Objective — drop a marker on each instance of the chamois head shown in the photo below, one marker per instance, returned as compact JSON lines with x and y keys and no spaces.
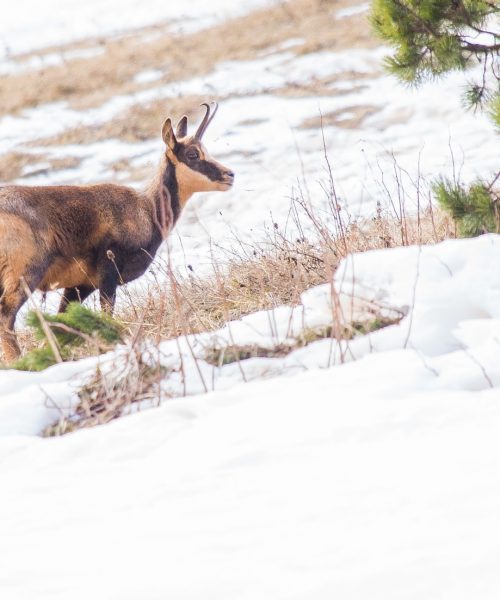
{"x":196,"y":170}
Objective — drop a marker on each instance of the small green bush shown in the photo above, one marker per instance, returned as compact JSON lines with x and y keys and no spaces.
{"x":72,"y":329}
{"x":474,"y":209}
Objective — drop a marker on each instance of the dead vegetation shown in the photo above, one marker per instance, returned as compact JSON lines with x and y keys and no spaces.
{"x":13,"y":164}
{"x":270,"y":274}
{"x":111,"y":393}
{"x":219,"y":356}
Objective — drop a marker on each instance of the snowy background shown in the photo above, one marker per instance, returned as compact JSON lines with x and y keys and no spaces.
{"x":368,"y":470}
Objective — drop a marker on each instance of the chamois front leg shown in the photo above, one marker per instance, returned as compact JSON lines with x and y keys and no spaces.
{"x":109,"y":275}
{"x":107,"y":299}
{"x":74,"y":294}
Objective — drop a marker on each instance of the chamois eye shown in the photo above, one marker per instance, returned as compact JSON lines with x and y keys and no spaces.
{"x":193,"y":155}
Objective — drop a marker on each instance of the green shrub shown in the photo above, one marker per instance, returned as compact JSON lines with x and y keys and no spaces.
{"x":474,"y":209}
{"x":76,"y":327}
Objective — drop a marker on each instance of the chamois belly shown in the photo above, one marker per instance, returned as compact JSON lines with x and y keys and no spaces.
{"x":68,"y":273}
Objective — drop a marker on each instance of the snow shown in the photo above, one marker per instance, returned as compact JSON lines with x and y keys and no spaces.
{"x":148,"y":76}
{"x":352,"y":10}
{"x":365,"y":468}
{"x":373,"y":478}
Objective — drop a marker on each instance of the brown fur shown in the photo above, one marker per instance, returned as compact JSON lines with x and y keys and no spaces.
{"x":84,"y":238}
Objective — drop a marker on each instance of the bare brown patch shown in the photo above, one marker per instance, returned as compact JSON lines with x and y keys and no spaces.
{"x":325,"y":86}
{"x":15,"y":165}
{"x":137,"y":124}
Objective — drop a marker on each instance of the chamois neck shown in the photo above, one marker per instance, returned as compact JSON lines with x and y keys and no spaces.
{"x":165,"y":179}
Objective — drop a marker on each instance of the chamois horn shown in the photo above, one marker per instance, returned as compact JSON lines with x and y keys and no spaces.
{"x":207,"y":119}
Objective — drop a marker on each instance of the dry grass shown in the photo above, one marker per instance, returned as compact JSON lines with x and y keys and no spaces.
{"x":13,"y":164}
{"x":244,"y":285}
{"x":268,"y":276}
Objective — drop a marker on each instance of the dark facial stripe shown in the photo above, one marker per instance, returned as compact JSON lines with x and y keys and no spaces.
{"x":208,"y":169}
{"x":170,"y":182}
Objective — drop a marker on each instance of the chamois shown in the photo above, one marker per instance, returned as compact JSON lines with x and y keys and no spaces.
{"x":96,"y":237}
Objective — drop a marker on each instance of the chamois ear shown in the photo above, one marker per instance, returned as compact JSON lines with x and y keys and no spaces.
{"x":168,"y":135}
{"x":182,"y":127}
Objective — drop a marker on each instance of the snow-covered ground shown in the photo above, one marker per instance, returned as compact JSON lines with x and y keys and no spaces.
{"x":361,"y":469}
{"x":373,"y":478}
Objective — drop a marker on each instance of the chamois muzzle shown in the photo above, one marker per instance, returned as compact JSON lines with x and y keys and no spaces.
{"x":228,"y":178}
{"x":207,"y":119}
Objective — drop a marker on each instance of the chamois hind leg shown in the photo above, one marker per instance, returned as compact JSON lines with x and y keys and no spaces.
{"x":22,"y":265}
{"x":74,"y":294}
{"x":10,"y":303}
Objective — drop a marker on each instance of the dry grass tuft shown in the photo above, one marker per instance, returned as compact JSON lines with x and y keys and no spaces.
{"x":219,"y":356}
{"x":267,"y":279}
{"x":270,"y":275}
{"x":112,"y":392}
{"x":13,"y":164}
